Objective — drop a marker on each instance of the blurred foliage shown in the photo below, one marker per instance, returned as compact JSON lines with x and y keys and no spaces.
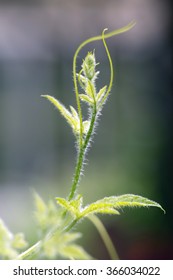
{"x":10,"y":245}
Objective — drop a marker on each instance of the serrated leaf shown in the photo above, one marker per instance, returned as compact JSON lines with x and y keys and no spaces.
{"x":107,"y":205}
{"x":130,"y":200}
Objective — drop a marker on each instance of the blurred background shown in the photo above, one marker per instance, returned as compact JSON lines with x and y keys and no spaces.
{"x":132,"y":151}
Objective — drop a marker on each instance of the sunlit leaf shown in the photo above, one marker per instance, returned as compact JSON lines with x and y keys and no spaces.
{"x":101,"y":93}
{"x":86,"y":99}
{"x":107,"y":205}
{"x":65,"y":113}
{"x":74,"y":113}
{"x":98,"y":208}
{"x":100,"y":96}
{"x":90,"y":90}
{"x":73,"y":206}
{"x":82,"y":80}
{"x":86,"y":125}
{"x":130,"y":200}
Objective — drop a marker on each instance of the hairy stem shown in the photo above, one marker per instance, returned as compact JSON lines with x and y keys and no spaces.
{"x":82,"y":147}
{"x":81,"y":155}
{"x":77,"y":173}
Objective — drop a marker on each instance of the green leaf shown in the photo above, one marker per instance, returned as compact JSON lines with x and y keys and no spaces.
{"x":86,"y":125}
{"x":107,"y":205}
{"x":99,"y":207}
{"x":100,"y":96}
{"x":86,"y":99}
{"x":71,"y":117}
{"x":78,"y":212}
{"x":60,"y":244}
{"x":73,"y":206}
{"x":90,"y":90}
{"x":74,"y":113}
{"x":82,"y":80}
{"x":129,"y":200}
{"x":89,"y":65}
{"x":73,"y":122}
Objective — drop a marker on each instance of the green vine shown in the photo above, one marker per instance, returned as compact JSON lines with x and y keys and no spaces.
{"x":56,"y":221}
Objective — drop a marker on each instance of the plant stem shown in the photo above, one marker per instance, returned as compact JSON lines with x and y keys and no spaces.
{"x":77,"y":173}
{"x":37,"y":246}
{"x":81,"y":155}
{"x":105,"y":236}
{"x":70,"y":226}
{"x":83,"y":147}
{"x":31,"y":251}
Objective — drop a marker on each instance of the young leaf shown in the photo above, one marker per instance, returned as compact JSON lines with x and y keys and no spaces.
{"x":107,"y":205}
{"x":73,"y":122}
{"x":90,"y":90}
{"x":100,"y":96}
{"x":74,"y":113}
{"x":82,"y":80}
{"x":76,"y":210}
{"x":86,"y":99}
{"x":89,"y":65}
{"x":73,"y":206}
{"x":99,"y":207}
{"x":129,"y":200}
{"x":86,"y":125}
